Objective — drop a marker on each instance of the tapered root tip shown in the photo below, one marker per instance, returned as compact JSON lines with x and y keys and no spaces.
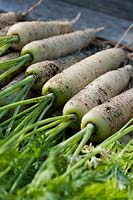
{"x":30,"y":9}
{"x":124,"y":35}
{"x":100,"y":28}
{"x":73,"y":21}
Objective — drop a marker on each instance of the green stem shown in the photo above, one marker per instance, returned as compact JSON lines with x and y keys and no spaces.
{"x":45,"y":109}
{"x":18,"y":97}
{"x":28,"y":101}
{"x":66,"y":146}
{"x":52,"y":136}
{"x":13,"y":88}
{"x":86,"y":137}
{"x":10,"y":141}
{"x":48,"y":126}
{"x":98,"y":148}
{"x":3,"y":173}
{"x":43,"y":122}
{"x":8,"y":63}
{"x":6,"y":42}
{"x":126,"y":125}
{"x":9,"y":39}
{"x":16,"y":67}
{"x":18,"y":138}
{"x":88,"y":132}
{"x":19,"y":115}
{"x":30,"y":119}
{"x":25,"y":121}
{"x":56,"y":120}
{"x":26,"y":167}
{"x":40,"y":111}
{"x":116,"y":136}
{"x":51,"y":140}
{"x":4,"y":48}
{"x":23,"y":93}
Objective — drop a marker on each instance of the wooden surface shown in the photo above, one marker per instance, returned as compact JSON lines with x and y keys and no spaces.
{"x":119,"y":8}
{"x":55,"y":9}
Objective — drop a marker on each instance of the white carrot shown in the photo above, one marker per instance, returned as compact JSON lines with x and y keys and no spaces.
{"x":66,"y":84}
{"x":23,"y":33}
{"x":69,"y":82}
{"x":97,"y":92}
{"x":58,"y":46}
{"x":50,"y":48}
{"x":110,"y":116}
{"x":46,"y":69}
{"x":10,"y":18}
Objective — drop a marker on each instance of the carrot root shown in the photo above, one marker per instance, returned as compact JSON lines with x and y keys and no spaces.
{"x":30,"y":9}
{"x":73,"y":21}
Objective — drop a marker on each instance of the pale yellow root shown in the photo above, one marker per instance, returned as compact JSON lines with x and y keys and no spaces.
{"x":110,"y":116}
{"x":11,"y":18}
{"x":7,"y":19}
{"x":36,"y":30}
{"x":97,"y":92}
{"x":59,"y":46}
{"x":46,"y":69}
{"x":68,"y":83}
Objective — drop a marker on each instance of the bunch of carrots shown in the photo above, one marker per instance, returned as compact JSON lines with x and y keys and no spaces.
{"x":63,"y":103}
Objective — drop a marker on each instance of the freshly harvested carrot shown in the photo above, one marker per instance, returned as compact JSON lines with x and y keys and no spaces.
{"x":11,"y":18}
{"x":110,"y":116}
{"x":23,"y":33}
{"x":104,"y":90}
{"x":69,"y":82}
{"x":41,"y":72}
{"x":97,"y":92}
{"x":60,"y":45}
{"x":44,"y":70}
{"x":65,"y":85}
{"x":38,"y":74}
{"x":50,"y":48}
